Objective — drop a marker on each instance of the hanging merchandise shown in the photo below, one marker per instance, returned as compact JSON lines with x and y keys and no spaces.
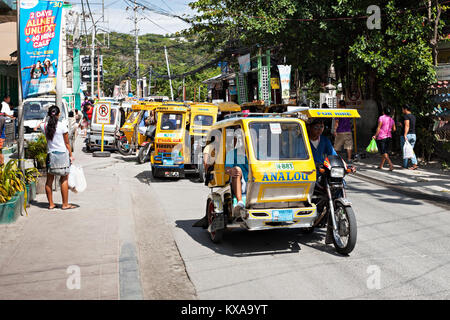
{"x":40,"y":38}
{"x":285,"y":78}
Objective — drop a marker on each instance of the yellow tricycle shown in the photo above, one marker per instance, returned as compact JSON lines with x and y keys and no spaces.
{"x":200,"y":119}
{"x":169,"y":150}
{"x":263,"y":176}
{"x":136,"y":131}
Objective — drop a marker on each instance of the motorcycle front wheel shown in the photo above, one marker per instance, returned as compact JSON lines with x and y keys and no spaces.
{"x":124,"y":147}
{"x":144,"y":153}
{"x":344,"y":239}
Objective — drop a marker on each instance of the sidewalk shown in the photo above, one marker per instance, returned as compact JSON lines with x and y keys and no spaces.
{"x":117,"y":241}
{"x":428,"y":181}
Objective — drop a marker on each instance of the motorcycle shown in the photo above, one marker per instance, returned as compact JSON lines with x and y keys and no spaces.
{"x":146,"y":147}
{"x":335,"y":211}
{"x":123,"y":146}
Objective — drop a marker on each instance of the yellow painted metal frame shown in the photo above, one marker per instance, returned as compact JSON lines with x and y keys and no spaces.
{"x":175,"y":137}
{"x":258,"y":168}
{"x":331,"y":113}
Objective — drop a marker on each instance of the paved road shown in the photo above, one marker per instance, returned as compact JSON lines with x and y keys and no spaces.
{"x":133,"y":238}
{"x":402,"y":252}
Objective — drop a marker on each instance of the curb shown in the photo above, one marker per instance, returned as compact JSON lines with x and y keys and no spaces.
{"x":408,"y":191}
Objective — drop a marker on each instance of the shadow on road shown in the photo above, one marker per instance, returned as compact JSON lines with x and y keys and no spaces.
{"x":244,"y":243}
{"x":147,"y":178}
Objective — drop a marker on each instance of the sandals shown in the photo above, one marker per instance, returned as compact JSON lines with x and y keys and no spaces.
{"x":71,"y":206}
{"x":414,"y":167}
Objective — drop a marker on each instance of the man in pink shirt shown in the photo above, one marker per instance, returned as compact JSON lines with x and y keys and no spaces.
{"x":384,"y":136}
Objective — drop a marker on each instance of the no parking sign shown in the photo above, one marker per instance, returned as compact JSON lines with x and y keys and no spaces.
{"x":104,"y":113}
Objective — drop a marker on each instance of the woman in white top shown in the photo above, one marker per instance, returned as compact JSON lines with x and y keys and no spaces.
{"x":58,"y":144}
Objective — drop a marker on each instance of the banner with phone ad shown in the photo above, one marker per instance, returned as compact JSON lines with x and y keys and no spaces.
{"x":285,"y":78}
{"x":40,"y":35}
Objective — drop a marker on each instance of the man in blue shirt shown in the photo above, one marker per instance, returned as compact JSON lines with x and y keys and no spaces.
{"x":321,"y":146}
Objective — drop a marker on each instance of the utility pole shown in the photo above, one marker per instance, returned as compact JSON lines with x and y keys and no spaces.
{"x":20,"y":143}
{"x":150,"y":81}
{"x":136,"y":50}
{"x":93,"y":62}
{"x":168,"y":71}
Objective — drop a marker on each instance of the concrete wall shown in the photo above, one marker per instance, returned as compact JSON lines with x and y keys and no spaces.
{"x":366,"y":125}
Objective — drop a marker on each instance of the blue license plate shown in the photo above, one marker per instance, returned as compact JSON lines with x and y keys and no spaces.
{"x":168,"y":162}
{"x":283,"y":215}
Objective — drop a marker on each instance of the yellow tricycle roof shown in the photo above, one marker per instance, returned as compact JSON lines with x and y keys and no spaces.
{"x":330,"y":113}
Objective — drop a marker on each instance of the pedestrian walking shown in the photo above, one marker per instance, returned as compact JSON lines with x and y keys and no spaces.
{"x":59,"y":157}
{"x":409,"y":134}
{"x":343,"y":134}
{"x":383,"y":136}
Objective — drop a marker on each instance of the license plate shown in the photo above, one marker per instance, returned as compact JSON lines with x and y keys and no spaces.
{"x":168,"y":162}
{"x":172,"y":174}
{"x":283,"y":215}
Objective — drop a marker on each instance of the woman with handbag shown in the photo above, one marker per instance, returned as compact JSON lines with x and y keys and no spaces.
{"x":59,"y":157}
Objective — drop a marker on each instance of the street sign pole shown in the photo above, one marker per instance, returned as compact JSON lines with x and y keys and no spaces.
{"x":103,"y":135}
{"x":103,"y":116}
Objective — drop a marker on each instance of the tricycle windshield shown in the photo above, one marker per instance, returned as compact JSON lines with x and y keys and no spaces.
{"x":203,"y":120}
{"x":274,"y":141}
{"x":171,"y":121}
{"x":132,"y":117}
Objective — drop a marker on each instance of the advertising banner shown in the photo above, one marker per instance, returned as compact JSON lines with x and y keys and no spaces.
{"x":40,"y":37}
{"x":244,"y":63}
{"x":285,"y":78}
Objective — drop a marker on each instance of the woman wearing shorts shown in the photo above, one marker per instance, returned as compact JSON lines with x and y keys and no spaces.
{"x":59,"y":157}
{"x":384,"y":137}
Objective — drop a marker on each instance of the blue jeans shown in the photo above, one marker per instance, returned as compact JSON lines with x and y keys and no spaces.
{"x":412,"y":140}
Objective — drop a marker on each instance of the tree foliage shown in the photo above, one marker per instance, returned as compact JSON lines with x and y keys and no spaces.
{"x":185,"y":54}
{"x":312,"y":34}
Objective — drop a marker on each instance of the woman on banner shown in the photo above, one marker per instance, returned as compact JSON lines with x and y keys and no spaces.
{"x":50,"y":68}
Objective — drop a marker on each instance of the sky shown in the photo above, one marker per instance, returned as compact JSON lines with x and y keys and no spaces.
{"x":150,"y":22}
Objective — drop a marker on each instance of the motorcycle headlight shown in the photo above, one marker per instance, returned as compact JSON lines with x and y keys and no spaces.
{"x":337,"y":172}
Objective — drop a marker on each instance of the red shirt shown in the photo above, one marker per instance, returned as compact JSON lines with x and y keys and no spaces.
{"x":89,"y":113}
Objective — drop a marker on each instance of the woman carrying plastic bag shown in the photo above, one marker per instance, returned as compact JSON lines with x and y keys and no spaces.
{"x":372,"y":147}
{"x":77,"y":181}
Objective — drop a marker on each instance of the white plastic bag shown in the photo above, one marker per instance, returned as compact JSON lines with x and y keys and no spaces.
{"x":77,"y":181}
{"x":408,"y":151}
